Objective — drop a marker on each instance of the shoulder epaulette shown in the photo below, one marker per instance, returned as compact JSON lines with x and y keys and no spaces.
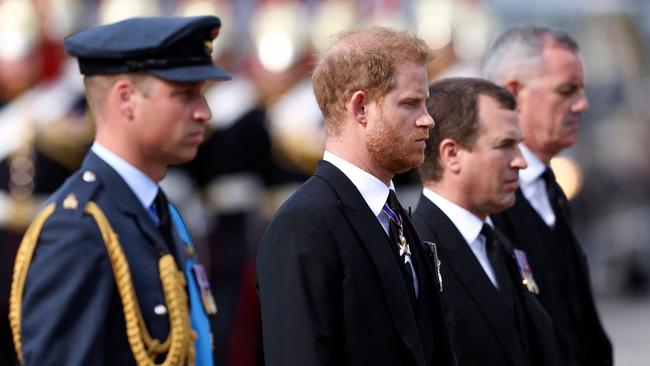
{"x":79,"y":192}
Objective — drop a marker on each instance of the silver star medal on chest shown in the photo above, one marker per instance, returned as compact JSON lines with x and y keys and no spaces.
{"x":404,"y":248}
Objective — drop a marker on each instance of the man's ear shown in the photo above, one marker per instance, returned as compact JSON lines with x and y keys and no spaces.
{"x":358,"y":106}
{"x":449,"y":151}
{"x":123,"y":95}
{"x":513,"y":86}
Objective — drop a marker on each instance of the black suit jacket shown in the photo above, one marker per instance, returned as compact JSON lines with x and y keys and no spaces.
{"x":563,"y":280}
{"x":331,"y":290}
{"x":482,"y":325}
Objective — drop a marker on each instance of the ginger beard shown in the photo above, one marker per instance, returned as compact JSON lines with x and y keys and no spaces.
{"x":392,"y":149}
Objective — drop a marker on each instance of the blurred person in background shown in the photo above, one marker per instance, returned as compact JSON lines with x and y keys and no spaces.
{"x":544,"y":70}
{"x":20,"y":68}
{"x":239,"y":172}
{"x":470,"y":171}
{"x":342,"y":276}
{"x":44,"y":132}
{"x":106,"y":273}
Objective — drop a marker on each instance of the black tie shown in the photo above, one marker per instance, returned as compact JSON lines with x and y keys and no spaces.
{"x":165,"y":222}
{"x":565,"y":249}
{"x":497,"y":257}
{"x":556,"y":196}
{"x":394,"y":232}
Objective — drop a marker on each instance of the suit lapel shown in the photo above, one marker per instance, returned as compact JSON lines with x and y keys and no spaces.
{"x":123,"y":197}
{"x":532,"y":230}
{"x":460,"y":260}
{"x":373,"y":237}
{"x":541,"y":327}
{"x":424,"y":269}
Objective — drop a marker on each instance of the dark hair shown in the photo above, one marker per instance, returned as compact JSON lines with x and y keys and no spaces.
{"x":453,"y":104}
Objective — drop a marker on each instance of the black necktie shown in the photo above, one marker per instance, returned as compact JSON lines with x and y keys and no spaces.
{"x":556,"y":196}
{"x":497,"y":257}
{"x":165,"y":222}
{"x":396,"y":229}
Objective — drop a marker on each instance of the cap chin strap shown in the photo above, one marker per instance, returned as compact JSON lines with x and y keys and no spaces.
{"x":179,"y":346}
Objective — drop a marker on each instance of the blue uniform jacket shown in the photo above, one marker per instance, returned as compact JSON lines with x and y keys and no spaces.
{"x":71,"y":310}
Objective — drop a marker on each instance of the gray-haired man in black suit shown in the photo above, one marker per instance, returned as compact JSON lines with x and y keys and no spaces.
{"x":543,"y":69}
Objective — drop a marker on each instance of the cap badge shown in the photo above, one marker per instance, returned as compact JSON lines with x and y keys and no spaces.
{"x":207,"y":48}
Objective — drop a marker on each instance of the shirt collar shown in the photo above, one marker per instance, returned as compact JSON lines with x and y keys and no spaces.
{"x":535,"y":169}
{"x":468,"y":224}
{"x":373,"y":191}
{"x":143,"y":186}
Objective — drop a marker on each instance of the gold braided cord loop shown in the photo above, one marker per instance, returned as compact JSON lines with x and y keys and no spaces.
{"x":21,"y":266}
{"x":179,"y":347}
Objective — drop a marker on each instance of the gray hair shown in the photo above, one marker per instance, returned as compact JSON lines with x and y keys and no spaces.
{"x":518,"y":52}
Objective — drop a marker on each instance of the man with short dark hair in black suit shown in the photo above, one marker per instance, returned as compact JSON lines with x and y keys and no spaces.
{"x":470,"y":171}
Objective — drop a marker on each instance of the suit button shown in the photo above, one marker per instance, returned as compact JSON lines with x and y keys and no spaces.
{"x":89,"y":176}
{"x":160,"y":309}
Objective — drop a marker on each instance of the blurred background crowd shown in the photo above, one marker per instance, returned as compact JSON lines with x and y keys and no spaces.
{"x":266,"y":132}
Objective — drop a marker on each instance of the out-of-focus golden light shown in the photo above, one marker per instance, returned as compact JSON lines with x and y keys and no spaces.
{"x":387,"y":19}
{"x":331,"y":17}
{"x":568,"y":175}
{"x":18,"y":29}
{"x":434,"y":20}
{"x":466,"y":24}
{"x":112,"y":11}
{"x":471,"y":29}
{"x":297,"y":126}
{"x":435,"y":31}
{"x":279,"y":34}
{"x":61,"y":17}
{"x":275,"y":51}
{"x":197,"y":7}
{"x":440,"y":8}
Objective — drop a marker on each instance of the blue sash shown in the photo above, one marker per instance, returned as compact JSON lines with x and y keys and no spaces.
{"x":200,"y":321}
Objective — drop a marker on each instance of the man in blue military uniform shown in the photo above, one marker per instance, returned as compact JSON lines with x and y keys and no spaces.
{"x":106,"y":274}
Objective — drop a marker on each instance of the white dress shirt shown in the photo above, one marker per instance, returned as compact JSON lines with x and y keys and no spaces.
{"x":144,"y":187}
{"x":469,"y":226}
{"x":373,"y":191}
{"x":533,"y":186}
